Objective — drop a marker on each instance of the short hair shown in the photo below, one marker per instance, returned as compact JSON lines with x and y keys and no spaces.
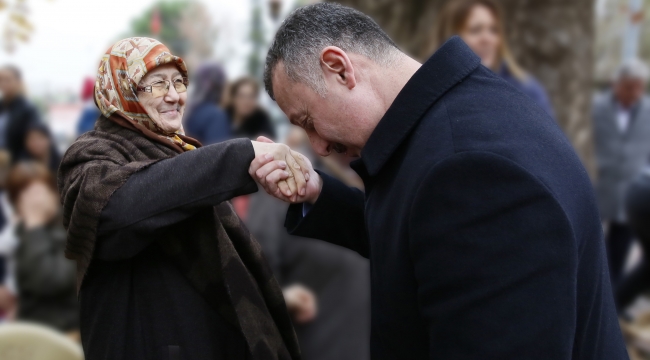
{"x":14,"y":70}
{"x":632,"y":69}
{"x":309,"y":29}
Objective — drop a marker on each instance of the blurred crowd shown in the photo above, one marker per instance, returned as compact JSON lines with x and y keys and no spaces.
{"x":326,"y":287}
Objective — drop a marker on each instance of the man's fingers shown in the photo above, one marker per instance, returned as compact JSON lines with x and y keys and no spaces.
{"x":258,"y":162}
{"x":284,"y":189}
{"x":274,"y":178}
{"x":268,"y":168}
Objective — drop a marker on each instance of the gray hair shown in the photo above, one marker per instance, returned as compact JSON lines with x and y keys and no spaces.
{"x":632,"y":69}
{"x":310,"y":29}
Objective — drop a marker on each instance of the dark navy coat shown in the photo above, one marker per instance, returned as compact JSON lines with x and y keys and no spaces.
{"x":480,"y":224}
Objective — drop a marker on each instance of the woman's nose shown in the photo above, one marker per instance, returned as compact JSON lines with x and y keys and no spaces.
{"x":172,"y":96}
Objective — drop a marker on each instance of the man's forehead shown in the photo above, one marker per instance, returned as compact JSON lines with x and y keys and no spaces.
{"x":287,"y":94}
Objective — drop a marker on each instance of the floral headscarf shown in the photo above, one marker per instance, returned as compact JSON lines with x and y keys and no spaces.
{"x":120,"y":71}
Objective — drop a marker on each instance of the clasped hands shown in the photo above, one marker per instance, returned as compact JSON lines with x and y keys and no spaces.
{"x":284,"y":173}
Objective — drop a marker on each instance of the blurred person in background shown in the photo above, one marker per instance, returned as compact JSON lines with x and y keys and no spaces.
{"x":338,"y":278}
{"x":8,"y":244}
{"x":45,"y":278}
{"x":480,"y":24}
{"x":637,"y":208}
{"x":248,"y":119}
{"x":205,"y":120}
{"x":16,"y":113}
{"x":89,"y":114}
{"x":165,"y":267}
{"x":40,"y":147}
{"x":621,"y":121}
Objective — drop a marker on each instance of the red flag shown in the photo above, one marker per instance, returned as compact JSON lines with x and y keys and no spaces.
{"x":155,"y":22}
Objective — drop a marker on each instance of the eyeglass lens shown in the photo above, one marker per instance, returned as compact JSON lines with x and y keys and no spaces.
{"x":162,"y":88}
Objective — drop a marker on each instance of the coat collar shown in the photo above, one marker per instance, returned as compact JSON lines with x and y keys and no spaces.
{"x":447,"y":67}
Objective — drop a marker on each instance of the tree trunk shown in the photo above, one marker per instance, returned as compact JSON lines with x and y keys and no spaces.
{"x":551,"y":39}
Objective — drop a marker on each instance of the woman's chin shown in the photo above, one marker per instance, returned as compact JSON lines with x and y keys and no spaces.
{"x":170,"y":124}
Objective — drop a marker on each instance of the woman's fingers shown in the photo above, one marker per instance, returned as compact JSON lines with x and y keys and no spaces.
{"x":304,"y":163}
{"x":298,"y":175}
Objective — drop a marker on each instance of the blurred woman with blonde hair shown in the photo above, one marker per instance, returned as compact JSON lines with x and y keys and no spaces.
{"x":480,"y":24}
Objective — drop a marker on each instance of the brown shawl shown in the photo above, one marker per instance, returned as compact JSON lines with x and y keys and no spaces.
{"x":224,"y":263}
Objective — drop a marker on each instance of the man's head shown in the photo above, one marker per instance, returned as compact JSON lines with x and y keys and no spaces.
{"x":630,"y":82}
{"x":10,"y":82}
{"x":327,"y":69}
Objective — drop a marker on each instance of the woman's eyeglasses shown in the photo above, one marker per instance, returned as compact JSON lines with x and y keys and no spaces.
{"x":161,"y":88}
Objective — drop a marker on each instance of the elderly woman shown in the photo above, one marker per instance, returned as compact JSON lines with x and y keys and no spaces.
{"x":165,"y":268}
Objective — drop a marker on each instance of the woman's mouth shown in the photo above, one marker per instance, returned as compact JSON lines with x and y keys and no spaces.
{"x":172,"y":112}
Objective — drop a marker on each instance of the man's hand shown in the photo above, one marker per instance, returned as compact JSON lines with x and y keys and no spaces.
{"x":275,"y":174}
{"x":301,"y":303}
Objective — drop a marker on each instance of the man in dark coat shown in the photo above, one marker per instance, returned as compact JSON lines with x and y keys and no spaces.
{"x":478,"y":218}
{"x":17,"y":115}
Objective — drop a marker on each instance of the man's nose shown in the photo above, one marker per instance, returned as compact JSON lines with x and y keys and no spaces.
{"x":320,"y":146}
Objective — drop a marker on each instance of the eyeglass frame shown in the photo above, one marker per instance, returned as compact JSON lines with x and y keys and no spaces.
{"x":149,"y":88}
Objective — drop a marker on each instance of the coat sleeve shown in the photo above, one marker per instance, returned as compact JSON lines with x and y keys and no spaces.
{"x":336,"y":217}
{"x":170,"y":191}
{"x":496,"y":270}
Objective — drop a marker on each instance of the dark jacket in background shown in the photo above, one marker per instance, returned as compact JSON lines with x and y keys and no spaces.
{"x":208,"y":124}
{"x":22,"y":115}
{"x":257,"y":124}
{"x":637,"y":204}
{"x":87,"y":119}
{"x":339,"y":278}
{"x":480,"y":223}
{"x":46,"y":280}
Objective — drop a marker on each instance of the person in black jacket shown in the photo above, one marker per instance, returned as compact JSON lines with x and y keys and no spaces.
{"x":637,"y":206}
{"x":478,"y":218}
{"x":16,"y":113}
{"x":246,"y":116}
{"x":46,"y":280}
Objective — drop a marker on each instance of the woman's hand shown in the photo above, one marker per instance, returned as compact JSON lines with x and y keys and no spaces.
{"x":301,"y":303}
{"x":271,"y":174}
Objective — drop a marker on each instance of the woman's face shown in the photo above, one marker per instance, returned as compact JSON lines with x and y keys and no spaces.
{"x":245,"y":100}
{"x":37,"y":144}
{"x":166,"y":111}
{"x":481,"y":33}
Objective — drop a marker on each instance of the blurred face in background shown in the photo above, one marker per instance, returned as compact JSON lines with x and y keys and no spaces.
{"x":10,"y":85}
{"x":629,"y":90}
{"x":244,"y":100}
{"x":482,"y":34}
{"x":166,"y":111}
{"x":37,"y":144}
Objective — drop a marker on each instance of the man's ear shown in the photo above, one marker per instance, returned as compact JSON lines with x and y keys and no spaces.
{"x":335,"y":62}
